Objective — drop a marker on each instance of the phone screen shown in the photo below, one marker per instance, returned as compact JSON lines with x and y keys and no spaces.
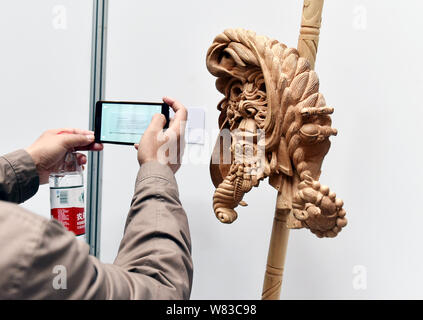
{"x":125,"y":123}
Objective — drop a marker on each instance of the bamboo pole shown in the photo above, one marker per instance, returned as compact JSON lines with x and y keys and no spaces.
{"x":307,"y":47}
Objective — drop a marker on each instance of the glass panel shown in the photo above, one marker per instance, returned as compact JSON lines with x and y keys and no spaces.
{"x":45,"y":73}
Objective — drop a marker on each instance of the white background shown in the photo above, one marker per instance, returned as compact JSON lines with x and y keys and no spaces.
{"x":45,"y":57}
{"x":369,"y":64}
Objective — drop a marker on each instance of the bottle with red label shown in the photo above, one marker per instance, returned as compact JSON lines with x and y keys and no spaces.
{"x":67,"y":196}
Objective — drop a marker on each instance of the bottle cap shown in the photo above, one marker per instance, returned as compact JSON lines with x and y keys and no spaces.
{"x":70,"y":163}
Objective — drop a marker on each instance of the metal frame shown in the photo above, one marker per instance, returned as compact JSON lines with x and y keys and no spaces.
{"x":95,"y":159}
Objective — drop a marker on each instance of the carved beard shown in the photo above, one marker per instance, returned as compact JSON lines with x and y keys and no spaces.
{"x":245,"y":105}
{"x":230,"y":192}
{"x":246,"y":171}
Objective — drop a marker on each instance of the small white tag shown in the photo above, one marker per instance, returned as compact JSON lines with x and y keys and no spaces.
{"x":194,"y":133}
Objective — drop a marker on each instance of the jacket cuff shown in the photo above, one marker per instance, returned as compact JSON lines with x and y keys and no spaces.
{"x":154,"y":169}
{"x":22,"y":175}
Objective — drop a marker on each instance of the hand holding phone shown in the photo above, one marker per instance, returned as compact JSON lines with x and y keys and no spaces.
{"x":151,"y":144}
{"x":123,"y":122}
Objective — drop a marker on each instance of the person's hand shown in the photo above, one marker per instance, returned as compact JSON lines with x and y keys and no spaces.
{"x":165,"y":146}
{"x":49,"y":151}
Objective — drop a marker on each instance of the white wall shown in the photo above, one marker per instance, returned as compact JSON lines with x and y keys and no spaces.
{"x":45,"y":61}
{"x":369,"y":70}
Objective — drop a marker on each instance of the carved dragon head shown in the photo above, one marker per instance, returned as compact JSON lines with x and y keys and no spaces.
{"x":280,"y":128}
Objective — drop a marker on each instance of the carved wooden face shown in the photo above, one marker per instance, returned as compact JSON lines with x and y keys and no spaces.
{"x":269,"y":88}
{"x":246,"y":101}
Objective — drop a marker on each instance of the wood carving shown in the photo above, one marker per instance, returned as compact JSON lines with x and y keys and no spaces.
{"x":310,"y":30}
{"x":280,"y":127}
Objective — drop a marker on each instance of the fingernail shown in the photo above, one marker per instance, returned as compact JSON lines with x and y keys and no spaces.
{"x":90,"y":137}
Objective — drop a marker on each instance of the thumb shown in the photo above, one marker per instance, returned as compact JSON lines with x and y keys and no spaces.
{"x":157,"y":122}
{"x":71,"y":141}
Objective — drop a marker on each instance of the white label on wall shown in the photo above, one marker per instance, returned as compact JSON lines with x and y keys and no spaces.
{"x":194,"y":133}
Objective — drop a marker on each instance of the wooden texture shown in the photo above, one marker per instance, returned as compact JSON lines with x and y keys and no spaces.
{"x":276,"y":257}
{"x":279,"y":127}
{"x":278,"y":245}
{"x":308,"y":40}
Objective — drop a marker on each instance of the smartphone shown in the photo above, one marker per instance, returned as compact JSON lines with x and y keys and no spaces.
{"x":123,"y":122}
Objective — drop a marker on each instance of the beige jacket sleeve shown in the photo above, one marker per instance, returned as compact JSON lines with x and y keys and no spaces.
{"x":40,"y":259}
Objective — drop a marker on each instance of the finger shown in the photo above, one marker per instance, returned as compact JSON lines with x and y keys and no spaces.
{"x":180,"y":110}
{"x":178,"y":123}
{"x":157,"y":122}
{"x":156,"y":125}
{"x":171,"y":121}
{"x":72,"y":141}
{"x":81,"y":158}
{"x":91,"y":147}
{"x":73,"y":131}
